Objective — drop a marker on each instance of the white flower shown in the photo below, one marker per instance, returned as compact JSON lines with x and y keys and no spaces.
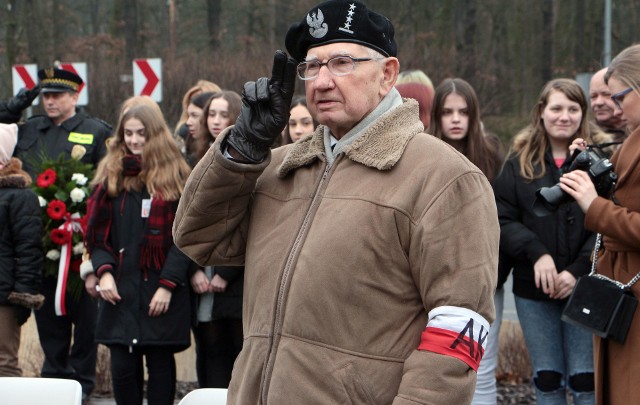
{"x":77,"y":195}
{"x":42,"y":201}
{"x":79,"y":178}
{"x":78,"y":249}
{"x":53,"y":254}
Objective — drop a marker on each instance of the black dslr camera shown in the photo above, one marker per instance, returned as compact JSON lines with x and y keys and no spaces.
{"x":600,"y":170}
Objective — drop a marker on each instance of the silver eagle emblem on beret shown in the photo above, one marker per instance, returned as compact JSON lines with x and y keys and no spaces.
{"x":317,"y":27}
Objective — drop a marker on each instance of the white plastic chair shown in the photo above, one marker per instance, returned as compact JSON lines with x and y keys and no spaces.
{"x":205,"y":396}
{"x":37,"y":391}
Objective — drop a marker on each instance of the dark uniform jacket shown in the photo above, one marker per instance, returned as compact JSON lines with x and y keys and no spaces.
{"x":40,"y":135}
{"x":20,"y":243}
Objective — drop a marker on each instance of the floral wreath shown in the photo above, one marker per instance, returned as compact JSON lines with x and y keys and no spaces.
{"x":62,"y":188}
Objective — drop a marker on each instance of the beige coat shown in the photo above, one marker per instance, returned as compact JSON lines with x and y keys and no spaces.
{"x":343,"y":263}
{"x":618,"y":365}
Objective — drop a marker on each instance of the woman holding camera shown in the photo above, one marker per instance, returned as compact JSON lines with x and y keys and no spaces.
{"x":549,"y":253}
{"x":618,"y":220}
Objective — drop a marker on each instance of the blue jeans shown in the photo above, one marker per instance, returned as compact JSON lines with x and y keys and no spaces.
{"x":561,"y":354}
{"x":485,"y":393}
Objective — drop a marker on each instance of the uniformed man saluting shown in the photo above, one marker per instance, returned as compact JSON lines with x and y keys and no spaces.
{"x":62,"y":127}
{"x":52,"y":135}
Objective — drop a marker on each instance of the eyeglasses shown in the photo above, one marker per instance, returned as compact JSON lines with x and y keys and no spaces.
{"x":338,"y":66}
{"x":619,"y":97}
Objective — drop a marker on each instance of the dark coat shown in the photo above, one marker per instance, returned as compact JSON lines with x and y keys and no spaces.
{"x":40,"y":135}
{"x":228,"y":305}
{"x":525,"y":237}
{"x":21,"y":252}
{"x":128,"y":322}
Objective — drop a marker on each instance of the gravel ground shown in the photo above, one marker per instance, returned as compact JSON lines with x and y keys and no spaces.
{"x":516,"y":394}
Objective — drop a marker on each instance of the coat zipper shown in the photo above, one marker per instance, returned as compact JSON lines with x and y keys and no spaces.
{"x":266,"y":379}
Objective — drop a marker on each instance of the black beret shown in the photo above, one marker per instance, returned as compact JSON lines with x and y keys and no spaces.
{"x":54,"y":80}
{"x":341,"y":21}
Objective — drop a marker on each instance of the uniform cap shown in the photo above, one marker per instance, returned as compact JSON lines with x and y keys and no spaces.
{"x":54,"y":80}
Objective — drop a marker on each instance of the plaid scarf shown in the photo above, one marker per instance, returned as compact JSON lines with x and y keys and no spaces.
{"x":157,"y":237}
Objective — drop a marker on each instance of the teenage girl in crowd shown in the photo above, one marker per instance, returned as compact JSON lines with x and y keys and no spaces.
{"x":455,"y":118}
{"x":300,"y":121}
{"x":218,"y":328}
{"x":618,"y":220}
{"x":549,"y":253}
{"x":219,"y":112}
{"x":86,"y":269}
{"x":195,"y":112}
{"x":145,"y":306}
{"x":202,"y":86}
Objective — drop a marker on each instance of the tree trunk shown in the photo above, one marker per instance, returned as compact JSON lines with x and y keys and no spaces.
{"x":547,"y":40}
{"x":11,"y":32}
{"x":131,"y":28}
{"x":214,"y":9}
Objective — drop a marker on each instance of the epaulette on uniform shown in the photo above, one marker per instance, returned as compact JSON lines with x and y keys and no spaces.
{"x":105,"y":123}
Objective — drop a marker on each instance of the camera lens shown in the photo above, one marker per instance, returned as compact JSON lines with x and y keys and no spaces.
{"x":548,"y":199}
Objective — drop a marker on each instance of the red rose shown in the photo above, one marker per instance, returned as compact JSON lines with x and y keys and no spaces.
{"x":60,"y":236}
{"x":46,"y":178}
{"x":56,"y":210}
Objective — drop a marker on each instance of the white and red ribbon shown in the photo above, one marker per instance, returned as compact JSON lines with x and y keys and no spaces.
{"x":71,"y":225}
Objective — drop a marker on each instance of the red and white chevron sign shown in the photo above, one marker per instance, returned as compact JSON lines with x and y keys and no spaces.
{"x":147,"y":78}
{"x":24,"y":76}
{"x":79,"y":68}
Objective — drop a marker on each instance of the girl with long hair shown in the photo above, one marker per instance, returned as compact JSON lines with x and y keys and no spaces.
{"x":550,"y":252}
{"x":301,"y":122}
{"x":455,"y":118}
{"x":218,"y":304}
{"x":219,"y":112}
{"x":145,"y":306}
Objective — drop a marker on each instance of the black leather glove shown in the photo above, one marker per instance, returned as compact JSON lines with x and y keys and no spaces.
{"x":265,"y":110}
{"x":23,"y":99}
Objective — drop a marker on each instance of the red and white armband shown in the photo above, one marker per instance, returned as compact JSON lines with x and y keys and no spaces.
{"x":456,"y":332}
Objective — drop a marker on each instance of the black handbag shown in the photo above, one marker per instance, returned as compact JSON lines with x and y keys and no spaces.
{"x":601,"y":305}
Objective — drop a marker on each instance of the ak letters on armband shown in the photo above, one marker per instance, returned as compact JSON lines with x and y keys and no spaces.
{"x":456,"y":332}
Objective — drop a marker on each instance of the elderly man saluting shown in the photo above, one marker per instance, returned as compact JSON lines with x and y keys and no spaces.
{"x":370,"y":247}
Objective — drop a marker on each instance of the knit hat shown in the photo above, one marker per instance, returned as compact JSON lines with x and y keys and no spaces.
{"x":341,"y":21}
{"x":8,"y":140}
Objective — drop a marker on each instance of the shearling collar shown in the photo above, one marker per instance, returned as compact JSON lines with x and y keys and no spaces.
{"x":12,"y":175}
{"x":379,"y":147}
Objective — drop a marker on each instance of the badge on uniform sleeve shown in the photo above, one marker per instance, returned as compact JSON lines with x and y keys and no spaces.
{"x":76,"y":137}
{"x":146,"y":207}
